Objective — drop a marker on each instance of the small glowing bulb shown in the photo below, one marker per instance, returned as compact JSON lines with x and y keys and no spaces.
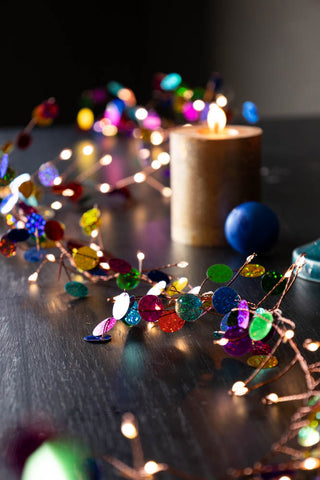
{"x":144,"y":153}
{"x":104,"y":188}
{"x":68,"y":192}
{"x":311,"y":345}
{"x":56,"y":205}
{"x":289,"y":334}
{"x":182,"y":264}
{"x":66,"y":154}
{"x":221,"y":342}
{"x":94,"y":247}
{"x":151,"y":467}
{"x":221,"y":100}
{"x":99,"y":253}
{"x":85,"y":118}
{"x":127,"y":96}
{"x":128,"y":428}
{"x":285,"y":477}
{"x":87,"y":150}
{"x":187,"y":94}
{"x":156,"y":138}
{"x":105,"y":160}
{"x":164,"y":158}
{"x":310,"y":463}
{"x":198,"y":105}
{"x":300,"y":261}
{"x":272,"y":398}
{"x":288,"y":274}
{"x":50,"y":257}
{"x":105,"y":265}
{"x":20,"y":224}
{"x":140,"y":256}
{"x":156,"y":164}
{"x":94,"y":233}
{"x":57,"y":181}
{"x":166,"y":192}
{"x":239,"y":389}
{"x":141,"y":113}
{"x":33,"y":277}
{"x":110,"y":130}
{"x":139,"y":177}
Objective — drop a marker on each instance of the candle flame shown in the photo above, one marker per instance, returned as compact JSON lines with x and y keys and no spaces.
{"x":216,"y":118}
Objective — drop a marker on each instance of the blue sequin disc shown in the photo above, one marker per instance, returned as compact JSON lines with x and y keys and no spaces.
{"x":47,"y":174}
{"x":158,"y":276}
{"x":4,"y":162}
{"x":34,"y":255}
{"x":98,"y":339}
{"x":250,"y":112}
{"x":132,"y":317}
{"x":224,"y":323}
{"x":225,"y":299}
{"x":18,"y":235}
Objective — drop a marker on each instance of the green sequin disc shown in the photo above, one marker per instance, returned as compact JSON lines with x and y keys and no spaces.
{"x":256,"y":360}
{"x":270,"y":280}
{"x":8,"y":177}
{"x":252,"y":270}
{"x":219,"y":273}
{"x":189,"y":307}
{"x":128,"y":281}
{"x":261,"y":324}
{"x":76,"y":289}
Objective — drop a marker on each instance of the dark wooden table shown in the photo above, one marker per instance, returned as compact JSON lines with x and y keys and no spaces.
{"x":176,"y":384}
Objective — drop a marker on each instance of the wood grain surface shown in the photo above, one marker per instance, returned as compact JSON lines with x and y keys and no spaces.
{"x":176,"y":384}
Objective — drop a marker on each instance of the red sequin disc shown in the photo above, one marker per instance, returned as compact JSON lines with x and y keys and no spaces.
{"x":169,"y":322}
{"x":119,"y":265}
{"x":7,"y":248}
{"x":53,"y":230}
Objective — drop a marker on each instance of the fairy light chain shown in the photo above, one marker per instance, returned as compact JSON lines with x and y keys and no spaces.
{"x":71,"y":262}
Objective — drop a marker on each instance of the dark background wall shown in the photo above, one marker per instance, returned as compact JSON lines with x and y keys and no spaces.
{"x":50,"y":48}
{"x":269,"y":52}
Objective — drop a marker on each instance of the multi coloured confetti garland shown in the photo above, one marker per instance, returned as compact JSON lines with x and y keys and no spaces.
{"x":114,"y":109}
{"x":243,"y":327}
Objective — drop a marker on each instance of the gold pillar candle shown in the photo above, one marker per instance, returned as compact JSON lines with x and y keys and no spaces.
{"x":211,"y":172}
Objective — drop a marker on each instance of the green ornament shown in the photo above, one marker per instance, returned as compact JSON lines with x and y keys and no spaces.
{"x":219,"y":273}
{"x":261,"y":324}
{"x":128,"y":281}
{"x":63,"y":460}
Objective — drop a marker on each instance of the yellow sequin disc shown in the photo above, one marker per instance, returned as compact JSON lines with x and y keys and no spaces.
{"x":90,"y":220}
{"x":177,"y":286}
{"x":85,"y":258}
{"x":252,"y":270}
{"x":256,"y":360}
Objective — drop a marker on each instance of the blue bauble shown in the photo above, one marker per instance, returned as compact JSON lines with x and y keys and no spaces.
{"x":252,"y":227}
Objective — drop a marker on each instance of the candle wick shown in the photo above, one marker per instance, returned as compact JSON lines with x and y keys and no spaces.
{"x":216,"y":127}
